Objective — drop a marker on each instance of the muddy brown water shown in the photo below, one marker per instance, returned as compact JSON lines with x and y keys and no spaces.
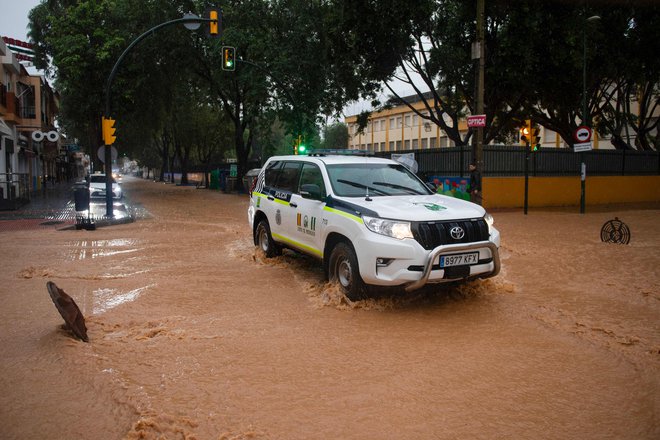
{"x":193,"y":335}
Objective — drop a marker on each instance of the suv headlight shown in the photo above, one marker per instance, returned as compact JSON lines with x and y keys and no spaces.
{"x":489,"y":221}
{"x":391,"y":228}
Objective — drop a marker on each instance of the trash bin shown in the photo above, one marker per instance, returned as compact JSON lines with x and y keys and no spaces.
{"x":215,"y":180}
{"x":231,"y":184}
{"x":81,"y":196}
{"x":249,"y":178}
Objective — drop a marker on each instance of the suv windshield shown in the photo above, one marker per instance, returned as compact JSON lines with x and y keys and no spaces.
{"x":381,"y":179}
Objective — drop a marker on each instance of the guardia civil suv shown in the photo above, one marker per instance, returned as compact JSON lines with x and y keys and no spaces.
{"x":370,"y":221}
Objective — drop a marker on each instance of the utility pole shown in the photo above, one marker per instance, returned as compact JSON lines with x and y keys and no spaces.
{"x":478,"y":153}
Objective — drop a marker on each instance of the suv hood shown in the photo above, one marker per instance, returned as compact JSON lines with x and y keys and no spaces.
{"x":420,"y":208}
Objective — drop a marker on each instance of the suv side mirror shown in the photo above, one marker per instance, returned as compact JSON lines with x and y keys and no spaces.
{"x":310,"y":191}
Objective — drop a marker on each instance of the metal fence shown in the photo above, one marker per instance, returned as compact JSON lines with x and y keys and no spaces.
{"x":501,"y":160}
{"x":14,"y":190}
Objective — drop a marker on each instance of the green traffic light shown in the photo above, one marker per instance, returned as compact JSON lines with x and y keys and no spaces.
{"x":302,"y":149}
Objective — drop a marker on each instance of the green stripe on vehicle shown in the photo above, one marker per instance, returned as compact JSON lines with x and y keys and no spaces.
{"x":344,"y":213}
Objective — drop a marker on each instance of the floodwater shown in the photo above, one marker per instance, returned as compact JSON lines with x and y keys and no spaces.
{"x":193,"y":335}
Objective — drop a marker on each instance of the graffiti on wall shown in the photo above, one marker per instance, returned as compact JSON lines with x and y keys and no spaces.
{"x":452,"y":186}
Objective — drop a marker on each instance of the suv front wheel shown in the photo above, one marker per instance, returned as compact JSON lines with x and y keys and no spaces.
{"x":344,"y":271}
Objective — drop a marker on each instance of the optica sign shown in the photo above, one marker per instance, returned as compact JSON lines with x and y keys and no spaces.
{"x":476,"y":121}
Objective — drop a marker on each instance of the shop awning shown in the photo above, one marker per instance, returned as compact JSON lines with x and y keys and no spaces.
{"x":4,"y":129}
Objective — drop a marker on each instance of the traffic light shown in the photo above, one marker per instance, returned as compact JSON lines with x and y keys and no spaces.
{"x":228,"y":58}
{"x":296,"y":145}
{"x":215,"y":25}
{"x":535,"y":138}
{"x":302,"y":149}
{"x":108,"y":130}
{"x":526,"y":132}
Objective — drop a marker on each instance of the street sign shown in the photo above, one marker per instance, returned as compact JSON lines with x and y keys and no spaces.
{"x":101,"y":153}
{"x":476,"y":121}
{"x":582,"y":146}
{"x":582,"y":134}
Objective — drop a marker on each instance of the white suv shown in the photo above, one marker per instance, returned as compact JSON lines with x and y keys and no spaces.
{"x":97,"y":187}
{"x":371,"y":222}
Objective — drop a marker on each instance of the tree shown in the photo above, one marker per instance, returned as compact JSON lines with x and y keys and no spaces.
{"x":335,"y":136}
{"x":83,"y":40}
{"x":534,"y":59}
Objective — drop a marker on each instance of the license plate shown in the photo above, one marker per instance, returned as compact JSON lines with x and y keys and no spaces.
{"x":459,"y":259}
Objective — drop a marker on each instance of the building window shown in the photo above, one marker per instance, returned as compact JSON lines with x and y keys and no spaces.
{"x":399,"y":122}
{"x":392,"y":123}
{"x":415,"y":121}
{"x":398,"y":145}
{"x":548,"y":135}
{"x":391,"y":145}
{"x":407,"y":144}
{"x":443,"y":141}
{"x":433,"y":142}
{"x":382,"y":146}
{"x":408,"y":121}
{"x":425,"y":143}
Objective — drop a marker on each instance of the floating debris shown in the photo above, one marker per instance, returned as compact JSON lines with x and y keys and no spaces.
{"x":73,"y":317}
{"x":615,"y":231}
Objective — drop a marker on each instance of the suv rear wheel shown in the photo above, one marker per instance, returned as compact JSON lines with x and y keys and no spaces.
{"x":344,"y":271}
{"x":265,"y":240}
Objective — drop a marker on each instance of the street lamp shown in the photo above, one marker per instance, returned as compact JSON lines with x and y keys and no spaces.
{"x":584,"y":68}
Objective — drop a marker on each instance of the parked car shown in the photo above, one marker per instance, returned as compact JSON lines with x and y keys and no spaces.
{"x":97,"y":187}
{"x":370,"y":221}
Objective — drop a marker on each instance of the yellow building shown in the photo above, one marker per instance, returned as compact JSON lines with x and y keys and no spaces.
{"x":399,"y":129}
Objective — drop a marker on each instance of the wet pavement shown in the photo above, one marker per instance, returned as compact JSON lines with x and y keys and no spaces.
{"x":193,"y":333}
{"x":54,"y":206}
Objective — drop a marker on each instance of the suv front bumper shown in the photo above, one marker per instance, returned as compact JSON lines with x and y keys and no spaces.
{"x":390,"y":262}
{"x":452,"y":249}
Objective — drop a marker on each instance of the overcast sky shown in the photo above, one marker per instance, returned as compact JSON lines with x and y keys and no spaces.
{"x":14,"y":18}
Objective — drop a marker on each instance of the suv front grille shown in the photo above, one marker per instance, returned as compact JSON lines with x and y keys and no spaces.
{"x":433,"y":234}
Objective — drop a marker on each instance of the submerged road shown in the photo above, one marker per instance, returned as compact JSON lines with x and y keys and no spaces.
{"x":193,"y":334}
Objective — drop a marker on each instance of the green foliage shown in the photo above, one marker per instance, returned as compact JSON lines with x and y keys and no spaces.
{"x":534,"y":63}
{"x":335,"y":136}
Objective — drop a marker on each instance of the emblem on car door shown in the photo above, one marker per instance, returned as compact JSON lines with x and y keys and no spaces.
{"x":278,"y":217}
{"x":457,"y":233}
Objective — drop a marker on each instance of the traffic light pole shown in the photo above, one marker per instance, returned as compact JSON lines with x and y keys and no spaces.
{"x":526,"y":203}
{"x":108,"y":85}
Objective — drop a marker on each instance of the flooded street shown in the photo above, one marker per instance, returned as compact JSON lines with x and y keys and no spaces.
{"x":193,"y":335}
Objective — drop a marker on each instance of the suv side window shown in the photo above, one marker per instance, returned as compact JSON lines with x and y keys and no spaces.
{"x":288,"y":177}
{"x":311,"y":174}
{"x":272,"y":172}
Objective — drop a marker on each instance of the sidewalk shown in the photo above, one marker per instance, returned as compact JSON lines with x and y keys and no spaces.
{"x":54,"y":206}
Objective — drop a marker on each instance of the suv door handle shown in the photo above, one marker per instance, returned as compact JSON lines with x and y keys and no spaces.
{"x":293,"y":204}
{"x":271,"y":198}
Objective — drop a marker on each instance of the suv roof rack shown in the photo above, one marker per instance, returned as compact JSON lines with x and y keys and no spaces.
{"x":339,"y":152}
